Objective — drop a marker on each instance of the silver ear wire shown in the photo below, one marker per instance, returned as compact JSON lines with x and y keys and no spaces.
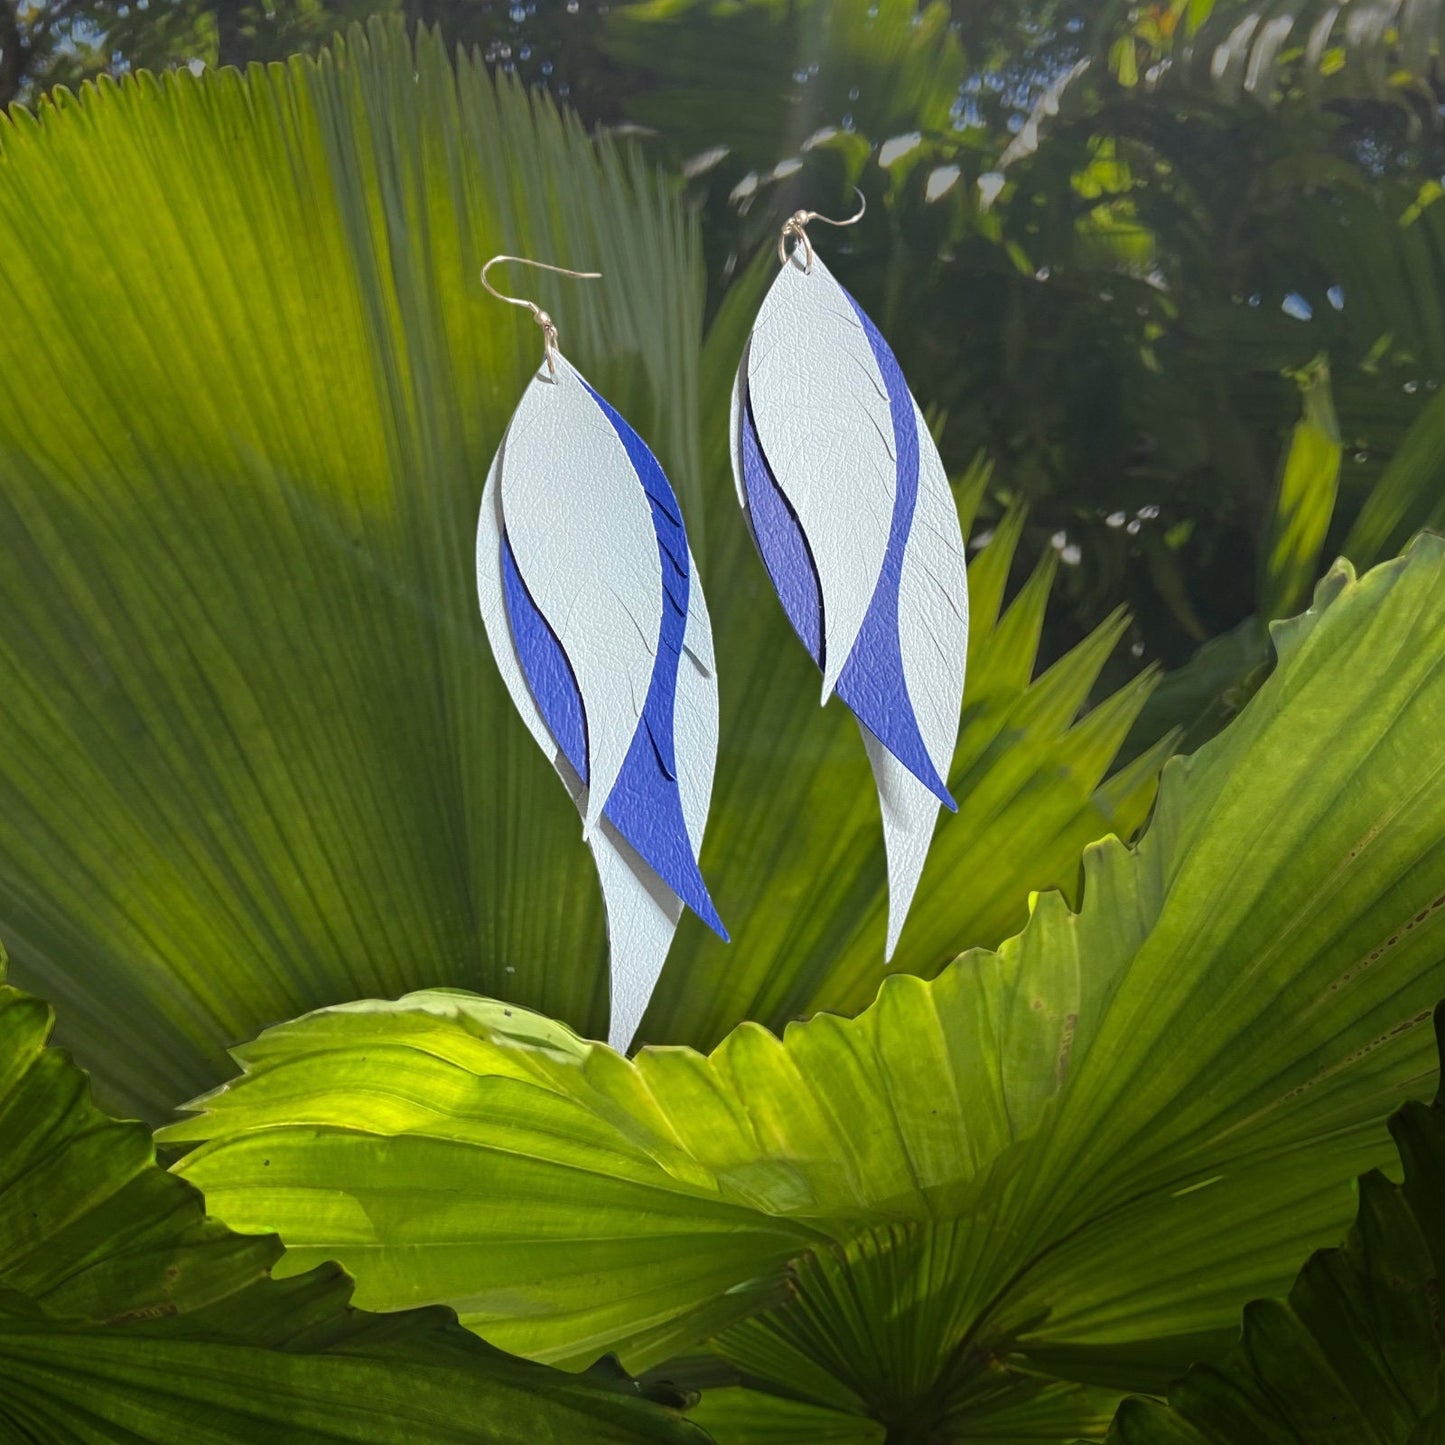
{"x":549,"y":328}
{"x":795,"y":227}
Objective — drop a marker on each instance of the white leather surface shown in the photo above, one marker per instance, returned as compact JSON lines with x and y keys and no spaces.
{"x":642,"y":912}
{"x":823,"y":420}
{"x":933,"y":634}
{"x":695,"y":714}
{"x":642,"y":916}
{"x":581,"y":530}
{"x":933,"y":606}
{"x":909,"y":813}
{"x":735,"y":426}
{"x":493,"y":602}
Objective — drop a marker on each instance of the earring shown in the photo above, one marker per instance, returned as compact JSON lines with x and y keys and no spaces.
{"x":847,"y":500}
{"x":596,"y":618}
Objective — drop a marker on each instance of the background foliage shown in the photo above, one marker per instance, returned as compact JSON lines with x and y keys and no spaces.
{"x":990,"y":1203}
{"x":257,"y":759}
{"x":1355,"y":1351}
{"x":126,"y":1314}
{"x":1084,"y":219}
{"x":1168,"y":281}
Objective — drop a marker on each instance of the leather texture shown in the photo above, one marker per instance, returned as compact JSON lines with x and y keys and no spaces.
{"x":849,"y":505}
{"x":595,"y":614}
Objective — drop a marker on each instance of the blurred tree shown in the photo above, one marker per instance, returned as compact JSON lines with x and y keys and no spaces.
{"x":1102,"y":247}
{"x":43,"y":43}
{"x":1104,"y":238}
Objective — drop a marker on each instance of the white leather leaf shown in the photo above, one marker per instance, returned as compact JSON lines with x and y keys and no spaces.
{"x":642,"y":916}
{"x":695,"y":715}
{"x":823,"y":420}
{"x":933,"y":606}
{"x":581,"y":530}
{"x":491,"y":595}
{"x":933,"y":636}
{"x":819,"y":402}
{"x":735,"y":426}
{"x":910,"y":812}
{"x":642,"y":911}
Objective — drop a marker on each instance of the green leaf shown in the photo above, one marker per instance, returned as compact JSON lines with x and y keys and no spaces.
{"x":733,"y":1413}
{"x":254,"y":755}
{"x":1205,"y":694}
{"x":1124,"y":62}
{"x":1263,"y":51}
{"x":1304,"y":499}
{"x":1407,"y":493}
{"x":126,"y":1315}
{"x":983,"y":1195}
{"x":1202,"y":696}
{"x":1392,"y":310}
{"x":729,"y":74}
{"x":1354,"y":1354}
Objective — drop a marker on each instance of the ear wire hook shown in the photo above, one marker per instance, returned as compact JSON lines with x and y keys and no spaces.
{"x":549,"y":327}
{"x":796,"y":227}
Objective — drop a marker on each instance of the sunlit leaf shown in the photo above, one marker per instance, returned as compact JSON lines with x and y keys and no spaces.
{"x":1408,"y":492}
{"x":1304,"y":499}
{"x":1245,"y":48}
{"x":1207,"y":693}
{"x":1051,"y":1175}
{"x":762,"y":76}
{"x":1354,"y":1353}
{"x":127,"y":1316}
{"x":1209,"y":690}
{"x":254,"y":755}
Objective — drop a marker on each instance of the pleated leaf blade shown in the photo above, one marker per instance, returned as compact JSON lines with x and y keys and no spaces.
{"x":254,"y":757}
{"x":127,"y":1315}
{"x":1354,"y":1353}
{"x":1049,"y":1176}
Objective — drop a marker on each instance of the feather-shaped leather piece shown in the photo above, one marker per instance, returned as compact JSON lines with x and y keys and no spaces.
{"x":596,"y":618}
{"x":852,"y":514}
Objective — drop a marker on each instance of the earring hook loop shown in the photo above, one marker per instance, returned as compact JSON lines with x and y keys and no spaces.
{"x":796,"y":227}
{"x":549,"y":327}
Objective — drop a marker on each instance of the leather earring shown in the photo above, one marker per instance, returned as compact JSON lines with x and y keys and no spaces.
{"x":851,"y":511}
{"x":597,"y":621}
